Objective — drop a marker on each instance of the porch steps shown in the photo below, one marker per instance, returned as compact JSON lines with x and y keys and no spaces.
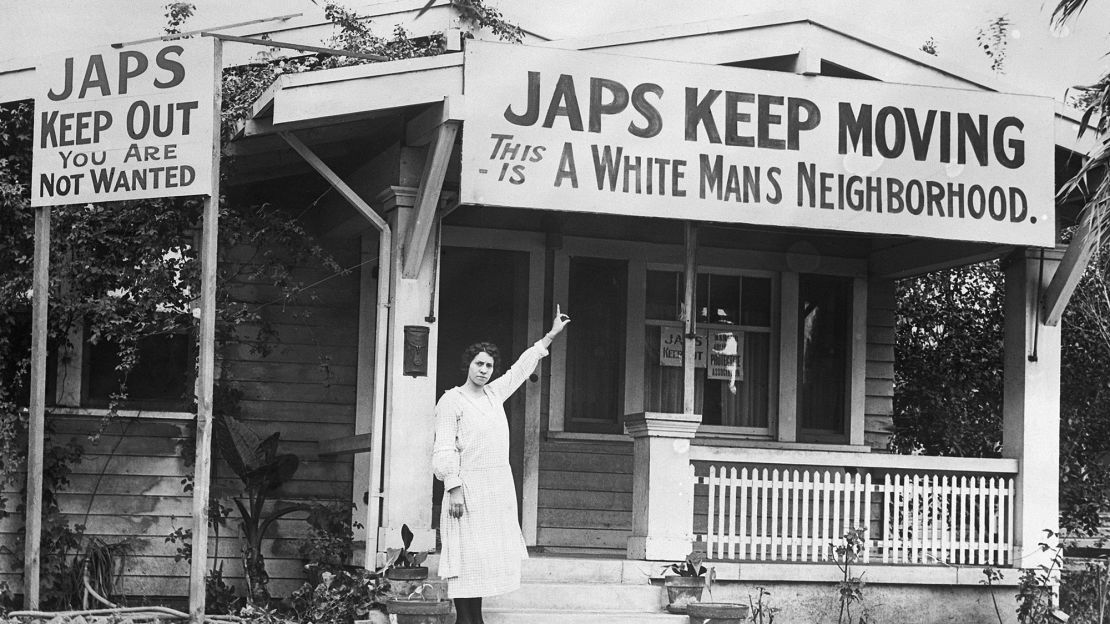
{"x":582,"y":590}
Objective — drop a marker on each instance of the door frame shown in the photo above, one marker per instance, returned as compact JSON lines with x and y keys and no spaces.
{"x":534,"y":244}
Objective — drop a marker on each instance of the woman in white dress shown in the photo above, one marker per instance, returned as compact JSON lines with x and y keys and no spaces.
{"x":482,"y":543}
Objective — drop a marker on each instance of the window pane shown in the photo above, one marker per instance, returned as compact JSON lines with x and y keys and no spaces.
{"x":824,"y":315}
{"x":724,"y":299}
{"x":161,"y":378}
{"x":701,"y":296}
{"x":731,"y":390}
{"x":595,"y":344}
{"x":757,"y":302}
{"x":662,"y":384}
{"x":738,"y":391}
{"x":663,"y":293}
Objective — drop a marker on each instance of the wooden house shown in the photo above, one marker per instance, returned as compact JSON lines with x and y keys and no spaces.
{"x":747,"y":190}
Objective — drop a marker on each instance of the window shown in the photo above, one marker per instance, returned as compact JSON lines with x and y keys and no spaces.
{"x":160,"y":380}
{"x":774,"y":360}
{"x":733,"y":353}
{"x":824,"y":332}
{"x":598,"y":290}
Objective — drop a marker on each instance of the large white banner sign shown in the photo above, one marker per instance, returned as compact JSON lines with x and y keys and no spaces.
{"x":578,"y":131}
{"x":128,"y":123}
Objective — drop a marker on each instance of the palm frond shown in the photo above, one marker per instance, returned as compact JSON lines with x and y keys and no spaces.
{"x":1066,"y":10}
{"x":1095,"y":100}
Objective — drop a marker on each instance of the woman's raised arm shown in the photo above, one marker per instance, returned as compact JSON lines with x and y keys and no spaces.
{"x":505,"y":385}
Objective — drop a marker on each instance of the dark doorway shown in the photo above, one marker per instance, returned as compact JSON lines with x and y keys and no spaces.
{"x":483,"y":298}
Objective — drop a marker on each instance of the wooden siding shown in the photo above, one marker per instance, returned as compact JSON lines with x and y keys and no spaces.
{"x":130,"y":482}
{"x":585,"y":495}
{"x":305,"y":389}
{"x":879,"y":405}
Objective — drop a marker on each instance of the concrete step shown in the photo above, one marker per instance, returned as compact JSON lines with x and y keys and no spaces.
{"x":546,"y":569}
{"x":575,"y":569}
{"x":562,"y":616}
{"x":602,"y":597}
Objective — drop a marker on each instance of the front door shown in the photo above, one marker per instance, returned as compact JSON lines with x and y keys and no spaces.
{"x":483,"y":298}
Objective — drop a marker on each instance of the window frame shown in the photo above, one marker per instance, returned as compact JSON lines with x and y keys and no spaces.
{"x":772,"y":330}
{"x":782,"y":268}
{"x":71,"y":386}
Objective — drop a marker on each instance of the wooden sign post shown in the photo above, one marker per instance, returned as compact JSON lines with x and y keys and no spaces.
{"x":206,"y":372}
{"x":37,"y":417}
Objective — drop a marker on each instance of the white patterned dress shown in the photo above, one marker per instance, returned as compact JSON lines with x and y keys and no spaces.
{"x":483,"y":549}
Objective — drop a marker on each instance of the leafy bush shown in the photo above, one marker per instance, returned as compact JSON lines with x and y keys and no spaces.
{"x":1085,"y":591}
{"x":331,"y":537}
{"x":948,"y":363}
{"x":340,"y":596}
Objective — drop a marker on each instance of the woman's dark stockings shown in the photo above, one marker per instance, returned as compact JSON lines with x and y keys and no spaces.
{"x":468,"y":611}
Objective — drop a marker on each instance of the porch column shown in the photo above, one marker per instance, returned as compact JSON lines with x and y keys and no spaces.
{"x":1031,"y":402}
{"x":662,"y":485}
{"x":410,"y":401}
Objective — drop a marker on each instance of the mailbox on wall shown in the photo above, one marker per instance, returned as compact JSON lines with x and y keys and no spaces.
{"x":416,"y":351}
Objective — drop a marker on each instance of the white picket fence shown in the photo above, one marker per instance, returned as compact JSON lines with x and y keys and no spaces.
{"x":761,"y":514}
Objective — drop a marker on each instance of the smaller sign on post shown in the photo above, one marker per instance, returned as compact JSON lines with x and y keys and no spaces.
{"x":724,"y":357}
{"x":671,"y":347}
{"x":128,"y":123}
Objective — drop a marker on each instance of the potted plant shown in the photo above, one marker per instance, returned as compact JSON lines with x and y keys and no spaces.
{"x":686,"y":580}
{"x":403,"y":568}
{"x":425,"y":605}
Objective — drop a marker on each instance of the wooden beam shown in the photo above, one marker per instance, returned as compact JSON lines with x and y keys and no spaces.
{"x":335,"y":181}
{"x":925,"y":256}
{"x":530,"y":479}
{"x":690,"y":341}
{"x":421,"y":130}
{"x":397,"y":84}
{"x":788,"y":358}
{"x":189,"y":33}
{"x":37,"y":418}
{"x":300,"y":47}
{"x":349,"y":445}
{"x":427,"y":197}
{"x":857,"y":365}
{"x":206,"y":364}
{"x":1070,"y":271}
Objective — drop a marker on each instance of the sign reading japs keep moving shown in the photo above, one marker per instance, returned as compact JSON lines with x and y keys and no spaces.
{"x":587,"y":132}
{"x":130,"y":123}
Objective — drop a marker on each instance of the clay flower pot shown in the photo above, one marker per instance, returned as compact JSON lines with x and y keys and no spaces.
{"x":404,"y":581}
{"x":718,"y":612}
{"x":683,"y":590}
{"x":419,"y":611}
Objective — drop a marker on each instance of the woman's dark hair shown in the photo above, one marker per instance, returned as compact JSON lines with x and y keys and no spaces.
{"x":472,"y":352}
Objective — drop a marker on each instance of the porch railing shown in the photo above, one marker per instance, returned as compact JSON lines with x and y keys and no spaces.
{"x":795,"y":506}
